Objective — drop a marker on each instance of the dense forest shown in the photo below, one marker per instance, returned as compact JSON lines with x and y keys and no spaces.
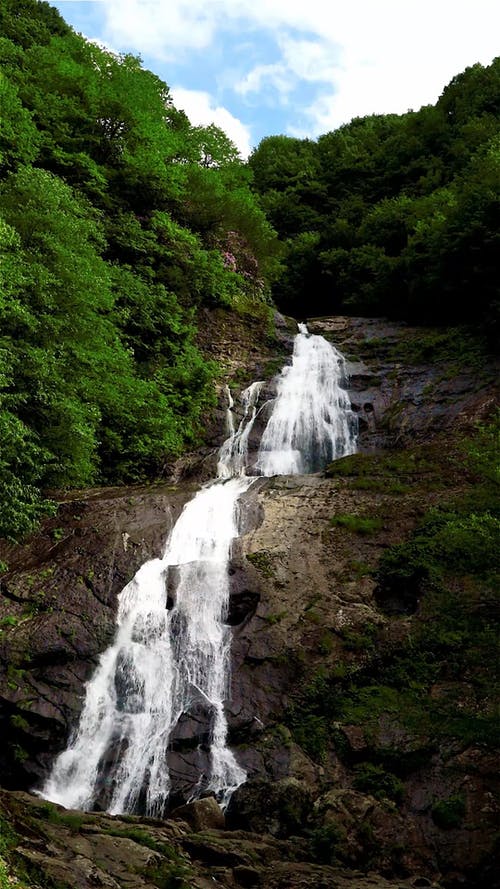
{"x":393,"y":214}
{"x":119,"y":220}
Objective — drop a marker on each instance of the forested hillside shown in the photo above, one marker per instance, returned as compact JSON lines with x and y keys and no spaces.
{"x":393,"y":214}
{"x":118,"y":220}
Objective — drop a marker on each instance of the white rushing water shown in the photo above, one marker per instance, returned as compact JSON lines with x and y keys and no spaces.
{"x":312,"y":422}
{"x":162,"y":662}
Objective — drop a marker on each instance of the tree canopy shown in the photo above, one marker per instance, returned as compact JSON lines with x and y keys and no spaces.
{"x":118,"y":220}
{"x":393,"y":214}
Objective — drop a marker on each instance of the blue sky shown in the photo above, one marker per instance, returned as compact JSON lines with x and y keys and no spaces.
{"x":261,"y":67}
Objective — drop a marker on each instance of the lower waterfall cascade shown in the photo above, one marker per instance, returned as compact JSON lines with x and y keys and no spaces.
{"x":165,"y":660}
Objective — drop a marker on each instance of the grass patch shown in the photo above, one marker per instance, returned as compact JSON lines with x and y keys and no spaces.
{"x":12,"y":873}
{"x":360,"y":640}
{"x":364,"y":525}
{"x":378,"y":485}
{"x":262,"y":562}
{"x":310,"y":716}
{"x":428,"y":466}
{"x":170,"y":877}
{"x":359,"y":569}
{"x":143,"y":838}
{"x":173,"y":873}
{"x":453,"y":345}
{"x":436,"y":681}
{"x":72,"y":820}
{"x":275,"y":618}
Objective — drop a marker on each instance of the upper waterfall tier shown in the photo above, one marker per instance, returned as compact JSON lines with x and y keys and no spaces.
{"x":311,"y":422}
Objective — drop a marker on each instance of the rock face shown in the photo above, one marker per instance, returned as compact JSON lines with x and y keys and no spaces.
{"x":73,"y":850}
{"x":57,"y":613}
{"x":404,"y":385}
{"x":304,"y":606}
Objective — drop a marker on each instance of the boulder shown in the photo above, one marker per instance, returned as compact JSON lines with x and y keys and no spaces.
{"x":201,"y":814}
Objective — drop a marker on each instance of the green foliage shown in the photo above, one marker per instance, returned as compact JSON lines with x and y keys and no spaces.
{"x":360,"y":640}
{"x":20,"y":723}
{"x":387,"y":468}
{"x":71,"y":820}
{"x":310,"y":716}
{"x":436,"y":682}
{"x":10,"y":620}
{"x":393,"y":214}
{"x":262,"y":561}
{"x":275,"y":618}
{"x":141,"y":836}
{"x":448,"y":814}
{"x":8,"y":837}
{"x":10,"y":875}
{"x":171,"y":876}
{"x":445,"y":541}
{"x":326,"y":842}
{"x":18,"y":136}
{"x":482,"y":451}
{"x":118,"y":220}
{"x":364,"y":525}
{"x":451,"y":565}
{"x":373,"y":779}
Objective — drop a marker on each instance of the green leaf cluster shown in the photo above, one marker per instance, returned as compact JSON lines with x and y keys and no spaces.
{"x":449,"y":813}
{"x":393,"y":214}
{"x":118,"y":221}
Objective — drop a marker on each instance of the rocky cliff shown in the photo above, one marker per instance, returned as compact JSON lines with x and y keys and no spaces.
{"x":365,"y":736}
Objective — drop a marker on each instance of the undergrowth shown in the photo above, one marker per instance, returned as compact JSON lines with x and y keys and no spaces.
{"x":450,"y":564}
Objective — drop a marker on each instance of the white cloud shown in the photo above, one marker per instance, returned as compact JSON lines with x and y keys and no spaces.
{"x":165,"y":30}
{"x":368,"y":56}
{"x":276,"y":76}
{"x":201,"y":110}
{"x":311,"y":60}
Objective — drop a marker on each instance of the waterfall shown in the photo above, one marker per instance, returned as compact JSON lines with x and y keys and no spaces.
{"x":165,"y":661}
{"x":160,"y":664}
{"x":312,"y":422}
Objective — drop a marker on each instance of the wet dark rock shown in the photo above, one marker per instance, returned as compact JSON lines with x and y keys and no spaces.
{"x":247,"y":876}
{"x":201,"y":814}
{"x":400,"y":598}
{"x":188,"y":769}
{"x":398,"y":400}
{"x":251,"y":512}
{"x":244,"y":592}
{"x":242,"y":605}
{"x":280,"y":808}
{"x":193,"y":728}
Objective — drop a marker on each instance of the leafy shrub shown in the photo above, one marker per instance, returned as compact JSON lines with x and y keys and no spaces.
{"x":310,"y":716}
{"x":375,"y":780}
{"x":325,"y":842}
{"x":449,"y":813}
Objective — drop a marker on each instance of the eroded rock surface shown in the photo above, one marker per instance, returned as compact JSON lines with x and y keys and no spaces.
{"x":403,"y":384}
{"x":73,"y":850}
{"x":57,"y":613}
